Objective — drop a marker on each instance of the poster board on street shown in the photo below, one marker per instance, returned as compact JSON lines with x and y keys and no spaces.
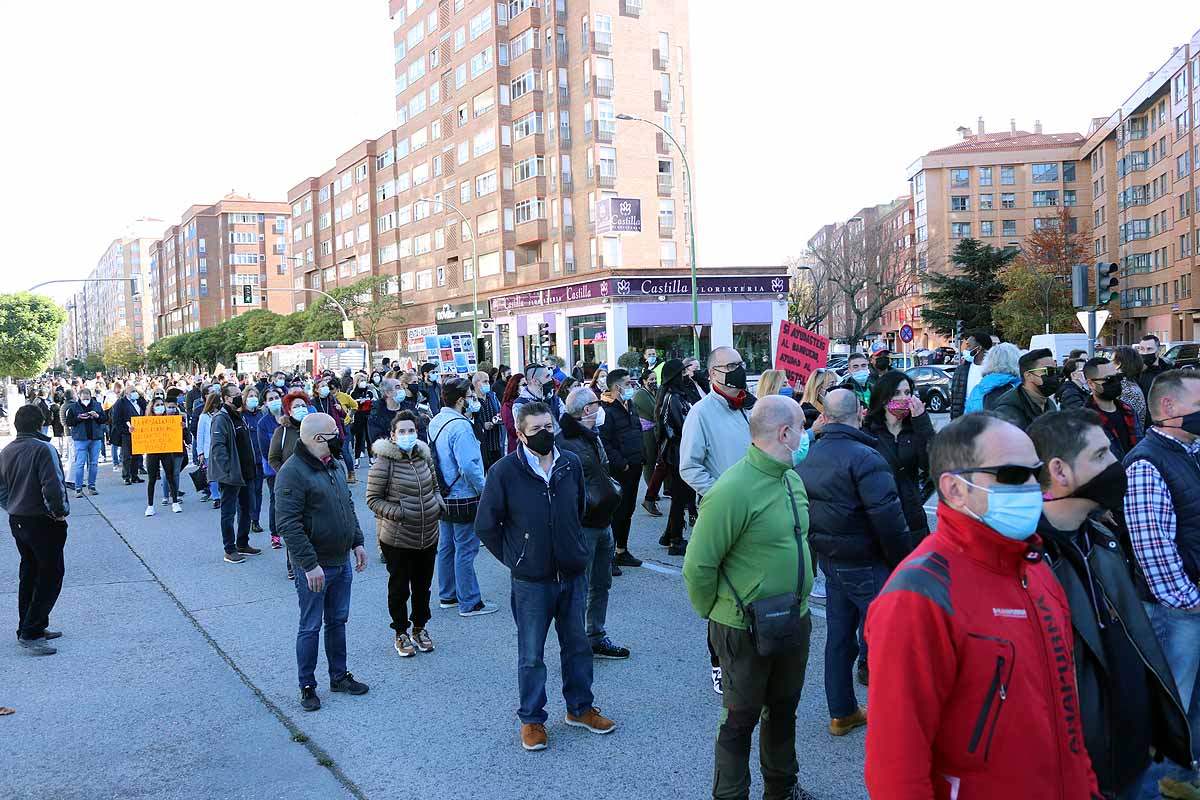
{"x":157,"y":434}
{"x":799,"y":351}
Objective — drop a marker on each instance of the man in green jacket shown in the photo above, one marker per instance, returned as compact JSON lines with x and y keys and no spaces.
{"x":753,"y":527}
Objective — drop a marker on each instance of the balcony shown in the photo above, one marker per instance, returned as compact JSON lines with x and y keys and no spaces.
{"x":603,"y":131}
{"x":631,"y":8}
{"x":667,"y":263}
{"x":531,"y":232}
{"x":662,"y":102}
{"x":533,"y":273}
{"x":602,"y":87}
{"x":602,"y":43}
{"x":569,"y":267}
{"x":659,"y":59}
{"x":660,"y":144}
{"x":535,"y":16}
{"x":1138,"y":133}
{"x":280,"y":249}
{"x":280,"y":228}
{"x":666,"y":230}
{"x":568,"y":228}
{"x":566,"y":182}
{"x":666,"y":184}
{"x":564,"y":96}
{"x":606,"y":180}
{"x":530,"y":58}
{"x":562,"y":51}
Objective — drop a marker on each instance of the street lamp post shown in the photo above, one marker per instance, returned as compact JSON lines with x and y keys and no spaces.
{"x":474,"y":268}
{"x":332,"y":299}
{"x":1049,"y":285}
{"x":691,"y":226}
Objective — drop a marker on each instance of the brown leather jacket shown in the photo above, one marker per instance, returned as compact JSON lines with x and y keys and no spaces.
{"x":402,"y":492}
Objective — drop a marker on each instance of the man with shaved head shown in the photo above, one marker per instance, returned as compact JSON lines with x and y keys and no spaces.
{"x":749,"y":545}
{"x":859,"y":533}
{"x":314,"y":513}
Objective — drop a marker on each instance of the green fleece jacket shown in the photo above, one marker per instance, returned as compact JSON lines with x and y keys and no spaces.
{"x":746,"y":529}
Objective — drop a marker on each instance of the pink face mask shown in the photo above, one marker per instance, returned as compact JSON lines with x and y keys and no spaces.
{"x":898,"y":408}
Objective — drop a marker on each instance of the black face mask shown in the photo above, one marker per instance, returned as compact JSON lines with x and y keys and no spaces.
{"x":547,"y":391}
{"x":1111,"y":388}
{"x":1107,"y":488}
{"x":236,"y":402}
{"x":541,"y":442}
{"x":335,"y":448}
{"x":1189,"y":422}
{"x":736,"y":378}
{"x":1050,"y":383}
{"x":1149,"y":358}
{"x":883,"y":364}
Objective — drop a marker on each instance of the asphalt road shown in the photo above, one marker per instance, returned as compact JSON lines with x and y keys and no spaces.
{"x":176,"y":679}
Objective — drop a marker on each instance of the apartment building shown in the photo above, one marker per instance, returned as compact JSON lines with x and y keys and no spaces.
{"x":898,"y":222}
{"x":198,"y":267}
{"x":1145,"y":192}
{"x":997,"y":188}
{"x":506,"y":115}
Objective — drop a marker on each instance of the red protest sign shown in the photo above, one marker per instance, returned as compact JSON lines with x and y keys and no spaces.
{"x":799,"y":351}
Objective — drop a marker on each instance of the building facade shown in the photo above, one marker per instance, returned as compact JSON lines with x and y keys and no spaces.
{"x":199,"y":267}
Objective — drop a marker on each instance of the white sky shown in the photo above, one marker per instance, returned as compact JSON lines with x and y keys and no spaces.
{"x":140,"y":108}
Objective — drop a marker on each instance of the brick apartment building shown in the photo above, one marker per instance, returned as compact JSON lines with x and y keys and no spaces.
{"x":198,"y":267}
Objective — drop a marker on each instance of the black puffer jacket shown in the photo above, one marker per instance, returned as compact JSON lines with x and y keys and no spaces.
{"x":1018,"y":407}
{"x":908,"y":456}
{"x":854,"y":510}
{"x":1070,"y":395}
{"x":600,"y":496}
{"x":621,"y":434}
{"x":958,"y":386}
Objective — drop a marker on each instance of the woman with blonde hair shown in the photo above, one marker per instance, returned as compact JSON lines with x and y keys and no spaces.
{"x":1001,"y":372}
{"x":812,"y":402}
{"x":770,"y":382}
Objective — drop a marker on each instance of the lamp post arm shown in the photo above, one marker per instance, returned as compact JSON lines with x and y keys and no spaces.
{"x":330,"y":297}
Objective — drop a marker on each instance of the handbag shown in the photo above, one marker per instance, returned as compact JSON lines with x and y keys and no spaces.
{"x":777,"y":623}
{"x":457,"y":509}
{"x":199,"y":478}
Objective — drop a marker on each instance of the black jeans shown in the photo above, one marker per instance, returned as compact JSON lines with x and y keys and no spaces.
{"x":40,"y":542}
{"x":167,"y":460}
{"x":235,"y":500}
{"x":629,"y":478}
{"x":682,"y":498}
{"x":130,"y":464}
{"x":361,"y":444}
{"x":410,"y":574}
{"x":270,"y":479}
{"x":757,"y":688}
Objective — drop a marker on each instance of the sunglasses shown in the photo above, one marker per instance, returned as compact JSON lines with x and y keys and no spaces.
{"x":1007,"y":474}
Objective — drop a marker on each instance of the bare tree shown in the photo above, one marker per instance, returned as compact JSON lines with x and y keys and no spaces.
{"x":809,"y":297}
{"x":866,"y":272}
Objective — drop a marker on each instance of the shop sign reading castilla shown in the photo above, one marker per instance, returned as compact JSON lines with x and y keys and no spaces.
{"x":619,"y":215}
{"x":642,"y":286}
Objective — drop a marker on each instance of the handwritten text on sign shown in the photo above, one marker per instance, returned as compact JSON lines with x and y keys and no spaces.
{"x":157,"y":434}
{"x":799,"y":351}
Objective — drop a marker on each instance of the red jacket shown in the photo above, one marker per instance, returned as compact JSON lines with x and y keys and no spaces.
{"x":972,"y":691}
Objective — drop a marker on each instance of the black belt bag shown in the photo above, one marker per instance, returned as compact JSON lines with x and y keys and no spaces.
{"x":777,"y":623}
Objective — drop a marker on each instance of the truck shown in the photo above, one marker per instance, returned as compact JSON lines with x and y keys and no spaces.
{"x":1059,"y":344}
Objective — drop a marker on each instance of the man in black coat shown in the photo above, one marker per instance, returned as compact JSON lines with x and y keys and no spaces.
{"x":621,"y":434}
{"x":977,"y":343}
{"x":858,"y":530}
{"x":578,"y":434}
{"x":1034,"y":395}
{"x":1148,"y":347}
{"x":131,"y":404}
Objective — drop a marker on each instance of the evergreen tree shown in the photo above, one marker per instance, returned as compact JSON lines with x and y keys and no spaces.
{"x":969,"y":293}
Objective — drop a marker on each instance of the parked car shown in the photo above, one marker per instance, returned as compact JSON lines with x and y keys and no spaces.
{"x":933,"y":386}
{"x":1183,"y":355}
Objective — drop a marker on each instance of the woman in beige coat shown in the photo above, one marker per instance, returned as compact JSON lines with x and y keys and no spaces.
{"x":403,"y":494}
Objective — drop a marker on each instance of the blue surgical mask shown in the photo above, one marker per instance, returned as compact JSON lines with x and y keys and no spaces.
{"x":275,"y":406}
{"x":160,"y":409}
{"x":1013,"y":511}
{"x":406,"y":441}
{"x":299,"y":414}
{"x":279,"y":382}
{"x":801,"y":452}
{"x":251,"y":403}
{"x":627,"y":394}
{"x":134,"y":396}
{"x":786,"y":391}
{"x":650,"y":360}
{"x":485,"y":387}
{"x":324,"y":391}
{"x":860,"y":376}
{"x":473,"y":405}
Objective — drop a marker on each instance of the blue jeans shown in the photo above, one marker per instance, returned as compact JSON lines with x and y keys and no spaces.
{"x":601,"y":549}
{"x":849,"y":589}
{"x":236,"y":501}
{"x":256,"y":486}
{"x":457,"y":547}
{"x":116,"y":453}
{"x":1178,"y":633}
{"x":87,"y":453}
{"x":534,"y":606}
{"x":331,"y":605}
{"x":214,"y":489}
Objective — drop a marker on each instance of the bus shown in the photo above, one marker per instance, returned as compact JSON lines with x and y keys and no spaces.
{"x":313,"y":358}
{"x":249,"y":363}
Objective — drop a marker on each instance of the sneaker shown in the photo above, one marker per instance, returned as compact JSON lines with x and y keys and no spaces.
{"x":205,"y":497}
{"x":249,"y":551}
{"x":217,"y":503}
{"x":818,"y":589}
{"x":664,"y":540}
{"x":351,"y":480}
{"x":69,"y":484}
{"x":615,"y":571}
{"x":404,"y":646}
{"x":276,"y":542}
{"x":480,"y":609}
{"x":48,"y":635}
{"x":422,"y":641}
{"x":149,"y":511}
{"x":37,"y":647}
{"x":255,"y":527}
{"x":593,"y":720}
{"x":234,"y":558}
{"x":348,"y":684}
{"x":651,"y":507}
{"x":92,"y":491}
{"x":79,"y":494}
{"x":863,"y":673}
{"x":116,"y":467}
{"x":176,"y":508}
{"x":840,"y":726}
{"x":1178,"y":790}
{"x":451,"y":603}
{"x":309,"y":700}
{"x":626,"y":559}
{"x":166,"y":501}
{"x":533,"y":736}
{"x":716,"y":679}
{"x":606,"y":649}
{"x":800,"y":794}
{"x":291,"y":573}
{"x":677,"y":549}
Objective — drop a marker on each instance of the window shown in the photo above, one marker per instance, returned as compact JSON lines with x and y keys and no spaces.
{"x":1008,"y":227}
{"x":1068,"y":168}
{"x":960,"y":230}
{"x":485,"y":184}
{"x":1008,"y":200}
{"x":531,"y":167}
{"x":416,"y":70}
{"x":460,"y":39}
{"x":481,"y":63}
{"x":1070,"y":198}
{"x":985,"y":202}
{"x":523,"y":43}
{"x":529,"y":210}
{"x":420,"y":173}
{"x":487,"y":223}
{"x":419,"y":138}
{"x":960,"y":178}
{"x":666,"y":213}
{"x":666,"y":254}
{"x":484,"y":142}
{"x":527,"y":125}
{"x":985,"y":176}
{"x":525,"y":83}
{"x":1045,"y":199}
{"x":484,"y":102}
{"x":960,"y":203}
{"x":480,"y":23}
{"x":424,"y":279}
{"x":422,"y":244}
{"x":1045,"y":173}
{"x":985,"y":228}
{"x":1008,"y":176}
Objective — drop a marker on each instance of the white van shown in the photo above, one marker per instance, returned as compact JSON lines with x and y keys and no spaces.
{"x":1060,"y":344}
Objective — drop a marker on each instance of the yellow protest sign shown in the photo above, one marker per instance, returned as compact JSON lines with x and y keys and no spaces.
{"x":157,"y":434}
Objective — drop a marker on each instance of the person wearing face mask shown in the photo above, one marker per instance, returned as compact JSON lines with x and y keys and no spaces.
{"x":1148,"y":347}
{"x":1075,"y":390}
{"x":364,"y":394}
{"x":86,"y":419}
{"x":1001,"y":372}
{"x":1122,"y":425}
{"x":231,"y":465}
{"x":315,"y":514}
{"x":750,"y":546}
{"x":164,"y":462}
{"x":859,"y":531}
{"x":621,"y":434}
{"x":717,"y":430}
{"x":487,"y":422}
{"x":253,"y":414}
{"x":458,"y":465}
{"x":859,"y":378}
{"x":539,"y":388}
{"x":654,"y":471}
{"x":970,"y":370}
{"x":671,"y":412}
{"x":529,"y":519}
{"x":902,"y":432}
{"x":1034,"y":396}
{"x":429,"y":387}
{"x":264,"y":432}
{"x":330,"y":400}
{"x":284,"y":440}
{"x":131,"y":405}
{"x":1128,"y":701}
{"x":651,"y":362}
{"x":203,"y":438}
{"x":881,"y":361}
{"x":403,"y":494}
{"x":971,"y":650}
{"x":1130,"y":365}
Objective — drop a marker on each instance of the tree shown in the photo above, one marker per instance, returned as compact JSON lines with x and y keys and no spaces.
{"x":969,"y":293}
{"x":120,"y":351}
{"x":1044,"y":265}
{"x":29,"y":326}
{"x":866,"y":273}
{"x":371,"y":303}
{"x":93,"y":362}
{"x":809,"y":298}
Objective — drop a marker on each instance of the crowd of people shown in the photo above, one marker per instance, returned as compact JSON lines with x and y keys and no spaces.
{"x":1061,"y":576}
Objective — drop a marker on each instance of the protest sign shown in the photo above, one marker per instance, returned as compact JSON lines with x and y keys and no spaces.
{"x":157,"y":434}
{"x":799,"y":351}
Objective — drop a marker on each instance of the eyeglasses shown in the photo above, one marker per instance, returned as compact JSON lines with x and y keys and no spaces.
{"x":1007,"y":474}
{"x":325,"y":438}
{"x":730,"y":367}
{"x":1042,"y":370}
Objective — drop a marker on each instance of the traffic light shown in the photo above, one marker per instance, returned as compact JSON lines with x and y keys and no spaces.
{"x":1079,"y":285}
{"x":958,"y":331}
{"x":1106,"y":282}
{"x":544,"y":334}
{"x":247,"y":294}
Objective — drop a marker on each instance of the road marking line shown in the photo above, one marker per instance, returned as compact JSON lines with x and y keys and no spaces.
{"x":659,"y":568}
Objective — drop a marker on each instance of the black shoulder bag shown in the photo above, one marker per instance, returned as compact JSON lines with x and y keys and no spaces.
{"x":776,"y":622}
{"x":457,"y":509}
